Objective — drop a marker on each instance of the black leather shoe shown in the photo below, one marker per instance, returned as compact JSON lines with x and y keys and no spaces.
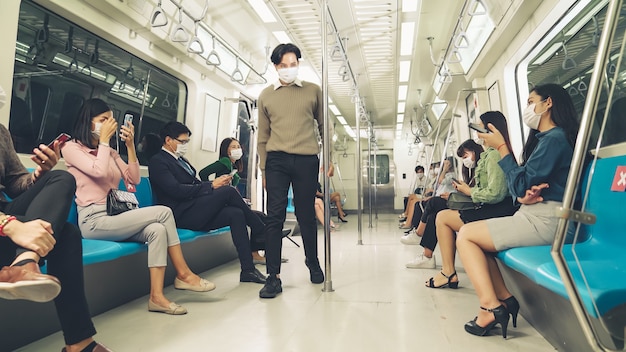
{"x":317,"y":276}
{"x":252,"y":276}
{"x":273,"y":286}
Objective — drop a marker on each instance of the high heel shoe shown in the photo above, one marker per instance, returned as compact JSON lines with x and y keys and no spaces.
{"x":431,"y":282}
{"x":512,"y":305}
{"x":341,"y":219}
{"x":501,"y":315}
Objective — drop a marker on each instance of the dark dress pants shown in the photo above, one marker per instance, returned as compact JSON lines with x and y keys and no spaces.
{"x":299,"y":171}
{"x":50,"y":199}
{"x":225,"y":207}
{"x":431,"y":208}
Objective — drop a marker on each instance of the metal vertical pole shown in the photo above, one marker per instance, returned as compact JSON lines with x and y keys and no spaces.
{"x":369,"y":168}
{"x":328,"y":283}
{"x":359,"y":179}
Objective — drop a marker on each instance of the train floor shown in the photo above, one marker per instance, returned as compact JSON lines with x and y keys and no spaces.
{"x":377,"y":305}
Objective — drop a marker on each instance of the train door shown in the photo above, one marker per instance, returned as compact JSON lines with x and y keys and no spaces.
{"x":379,"y":174}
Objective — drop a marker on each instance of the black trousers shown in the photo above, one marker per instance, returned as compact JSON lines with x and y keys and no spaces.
{"x":50,"y":199}
{"x":299,"y":171}
{"x":225,"y":207}
{"x":431,"y":208}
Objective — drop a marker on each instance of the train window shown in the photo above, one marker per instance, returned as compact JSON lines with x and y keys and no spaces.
{"x":59,"y":65}
{"x":379,"y":169}
{"x":566,"y":56}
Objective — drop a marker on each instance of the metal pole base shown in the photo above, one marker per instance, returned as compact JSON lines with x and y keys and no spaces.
{"x":328,"y":286}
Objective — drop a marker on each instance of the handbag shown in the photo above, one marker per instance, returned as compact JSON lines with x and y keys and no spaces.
{"x":119,"y":201}
{"x":460,"y":201}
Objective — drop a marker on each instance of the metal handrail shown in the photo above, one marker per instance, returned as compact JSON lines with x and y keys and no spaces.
{"x":575,"y":173}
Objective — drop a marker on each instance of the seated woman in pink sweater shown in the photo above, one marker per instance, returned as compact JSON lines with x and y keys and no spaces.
{"x":98,"y":168}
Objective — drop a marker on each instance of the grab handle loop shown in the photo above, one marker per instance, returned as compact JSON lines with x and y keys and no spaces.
{"x":179,"y":35}
{"x":568,"y":61}
{"x":158,"y":18}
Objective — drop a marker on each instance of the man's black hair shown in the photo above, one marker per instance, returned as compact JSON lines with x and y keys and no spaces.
{"x":173,"y":129}
{"x":282,"y":49}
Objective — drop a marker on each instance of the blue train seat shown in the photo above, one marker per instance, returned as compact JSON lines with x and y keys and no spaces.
{"x":598,"y":276}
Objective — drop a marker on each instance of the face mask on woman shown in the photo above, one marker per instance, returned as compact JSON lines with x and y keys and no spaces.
{"x":469,"y":163}
{"x":236,"y":154}
{"x":181,"y":149}
{"x":288,"y":75}
{"x":96,"y":129}
{"x":531,"y":118}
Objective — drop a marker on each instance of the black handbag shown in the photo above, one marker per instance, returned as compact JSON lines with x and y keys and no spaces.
{"x":460,"y":201}
{"x":119,"y":201}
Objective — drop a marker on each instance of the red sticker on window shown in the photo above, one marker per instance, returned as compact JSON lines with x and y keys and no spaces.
{"x":619,"y":181}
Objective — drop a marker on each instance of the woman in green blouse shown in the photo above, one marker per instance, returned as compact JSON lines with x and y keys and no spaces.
{"x":490,"y":192}
{"x":230,"y":159}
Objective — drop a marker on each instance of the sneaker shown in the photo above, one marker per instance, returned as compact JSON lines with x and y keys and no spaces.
{"x":273,"y":286}
{"x":410,"y":239}
{"x":422,"y":262}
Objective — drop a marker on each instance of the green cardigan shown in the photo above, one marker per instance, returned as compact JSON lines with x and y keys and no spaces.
{"x":219,"y":168}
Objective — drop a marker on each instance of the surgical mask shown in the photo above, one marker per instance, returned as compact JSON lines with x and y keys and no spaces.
{"x":420,"y":175}
{"x":3,"y":97}
{"x":236,"y":154}
{"x":140,"y":148}
{"x":288,"y":75}
{"x":96,"y":129}
{"x":531,"y":118}
{"x":469,"y":163}
{"x":181,"y":149}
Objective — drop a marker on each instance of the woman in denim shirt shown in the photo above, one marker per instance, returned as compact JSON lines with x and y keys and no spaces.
{"x":551,"y":116}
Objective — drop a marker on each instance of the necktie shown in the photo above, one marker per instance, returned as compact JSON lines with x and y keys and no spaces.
{"x":186,"y":166}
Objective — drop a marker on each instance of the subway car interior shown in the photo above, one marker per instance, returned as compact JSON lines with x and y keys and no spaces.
{"x":400,"y":80}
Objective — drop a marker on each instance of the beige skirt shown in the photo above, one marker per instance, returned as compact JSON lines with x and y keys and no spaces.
{"x":531,"y":225}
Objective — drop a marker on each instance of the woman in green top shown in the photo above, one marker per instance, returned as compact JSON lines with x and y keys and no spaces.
{"x":490,"y":192}
{"x":230,"y":159}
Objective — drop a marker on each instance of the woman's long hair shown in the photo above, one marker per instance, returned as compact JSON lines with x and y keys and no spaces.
{"x":563,"y":114}
{"x":82,"y":127}
{"x":471,"y":146}
{"x":497,"y":119}
{"x":238,"y":164}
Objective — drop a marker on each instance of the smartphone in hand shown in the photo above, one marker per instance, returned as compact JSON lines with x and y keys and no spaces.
{"x":62,"y":138}
{"x":476,"y":127}
{"x":232,"y":173}
{"x":128,"y":119}
{"x":455,"y":180}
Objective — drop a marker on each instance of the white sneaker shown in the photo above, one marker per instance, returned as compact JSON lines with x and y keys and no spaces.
{"x":410,"y":239}
{"x":422,"y":262}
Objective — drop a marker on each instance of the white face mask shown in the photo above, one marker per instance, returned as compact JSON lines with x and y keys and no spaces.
{"x":531,"y":118}
{"x":181,"y":149}
{"x":420,"y":175}
{"x":469,"y":163}
{"x":139,"y":148}
{"x":236,"y":154}
{"x":288,"y":75}
{"x":3,"y":97}
{"x":96,"y":129}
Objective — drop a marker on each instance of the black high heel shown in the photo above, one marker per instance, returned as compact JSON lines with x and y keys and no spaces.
{"x":512,"y":305}
{"x":341,"y":219}
{"x":501,"y":315}
{"x":431,"y":282}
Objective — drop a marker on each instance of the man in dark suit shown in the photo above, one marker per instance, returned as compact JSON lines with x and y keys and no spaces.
{"x":202,"y":205}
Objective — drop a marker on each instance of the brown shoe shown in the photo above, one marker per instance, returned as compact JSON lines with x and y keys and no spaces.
{"x":22,"y":282}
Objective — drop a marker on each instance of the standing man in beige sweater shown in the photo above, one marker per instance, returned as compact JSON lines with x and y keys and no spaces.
{"x":288,"y":149}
